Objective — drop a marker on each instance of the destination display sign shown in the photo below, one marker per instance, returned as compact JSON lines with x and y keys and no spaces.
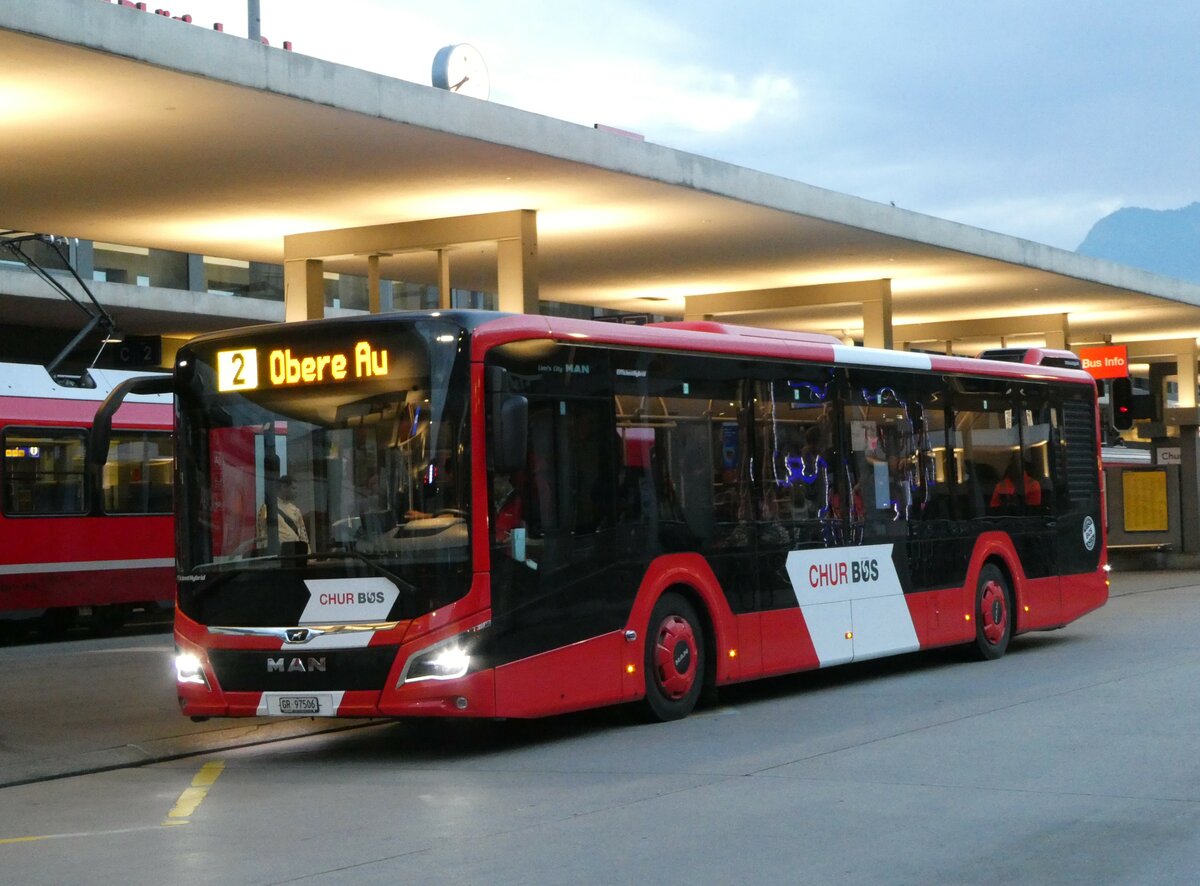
{"x":249,"y":369}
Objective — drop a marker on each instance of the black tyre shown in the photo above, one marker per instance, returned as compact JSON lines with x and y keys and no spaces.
{"x":993,"y":613}
{"x":108,"y":620}
{"x":674,"y":659}
{"x":54,"y":623}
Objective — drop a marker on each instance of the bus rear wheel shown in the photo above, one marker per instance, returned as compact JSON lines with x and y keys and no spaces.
{"x":674,"y":659}
{"x":993,"y":613}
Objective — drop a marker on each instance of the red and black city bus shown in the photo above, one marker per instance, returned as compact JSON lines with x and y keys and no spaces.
{"x":69,"y":546}
{"x":515,"y":516}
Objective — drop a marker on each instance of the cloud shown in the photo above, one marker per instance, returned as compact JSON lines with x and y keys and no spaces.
{"x":1061,"y":219}
{"x":665,"y":102}
{"x":1019,"y":116}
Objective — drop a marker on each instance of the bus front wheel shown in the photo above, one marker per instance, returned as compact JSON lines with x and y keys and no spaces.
{"x":674,"y":659}
{"x":993,"y":613}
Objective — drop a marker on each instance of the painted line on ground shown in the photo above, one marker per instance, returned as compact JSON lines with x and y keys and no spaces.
{"x":191,"y":798}
{"x":9,"y":841}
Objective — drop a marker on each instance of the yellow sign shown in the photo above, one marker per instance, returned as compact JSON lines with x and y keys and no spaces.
{"x":1145,"y":494}
{"x":239,"y":370}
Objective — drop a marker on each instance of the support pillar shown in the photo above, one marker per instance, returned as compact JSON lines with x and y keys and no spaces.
{"x":1185,"y":375}
{"x":1189,"y":485}
{"x":877,"y":318}
{"x":516,"y":266}
{"x":197,"y":278}
{"x":445,"y":293}
{"x":373,"y":284}
{"x":303,"y":289}
{"x":1188,"y":419}
{"x":1159,"y":373}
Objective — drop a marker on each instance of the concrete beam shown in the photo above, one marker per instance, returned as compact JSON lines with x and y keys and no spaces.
{"x":1162,"y":348}
{"x":514,"y":233}
{"x":875,"y":296}
{"x":430,"y":234}
{"x":753,"y":301}
{"x":1054,"y":327}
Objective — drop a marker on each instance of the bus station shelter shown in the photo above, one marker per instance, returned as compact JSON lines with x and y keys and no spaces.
{"x":123,"y":126}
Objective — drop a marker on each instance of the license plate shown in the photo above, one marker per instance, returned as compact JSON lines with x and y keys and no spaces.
{"x":299,"y":704}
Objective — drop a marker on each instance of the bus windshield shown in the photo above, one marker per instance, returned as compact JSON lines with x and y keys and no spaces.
{"x":311,"y":456}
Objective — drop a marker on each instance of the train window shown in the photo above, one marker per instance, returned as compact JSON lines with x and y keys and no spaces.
{"x":43,"y":471}
{"x":137,"y":476}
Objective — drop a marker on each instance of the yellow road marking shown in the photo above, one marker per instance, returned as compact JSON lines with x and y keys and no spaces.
{"x":188,"y":802}
{"x":191,"y":798}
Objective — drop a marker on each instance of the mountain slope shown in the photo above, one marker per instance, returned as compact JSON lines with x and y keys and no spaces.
{"x":1163,"y":241}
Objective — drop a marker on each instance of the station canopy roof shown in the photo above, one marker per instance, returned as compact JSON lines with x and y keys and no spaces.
{"x":126,"y":127}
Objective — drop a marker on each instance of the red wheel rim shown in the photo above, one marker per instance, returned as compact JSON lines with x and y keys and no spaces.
{"x":993,"y":613}
{"x":675,"y":657}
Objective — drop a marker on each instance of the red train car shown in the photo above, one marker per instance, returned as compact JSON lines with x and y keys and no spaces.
{"x":71,"y":546}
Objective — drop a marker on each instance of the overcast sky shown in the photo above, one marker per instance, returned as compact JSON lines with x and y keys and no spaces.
{"x":1033,"y":118}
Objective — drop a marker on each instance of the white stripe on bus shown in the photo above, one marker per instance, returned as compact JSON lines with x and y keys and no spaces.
{"x":872,"y":358}
{"x":86,"y":566}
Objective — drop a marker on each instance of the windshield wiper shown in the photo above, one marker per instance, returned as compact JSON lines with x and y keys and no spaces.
{"x":229,"y":566}
{"x":355,"y":555}
{"x":223,"y":565}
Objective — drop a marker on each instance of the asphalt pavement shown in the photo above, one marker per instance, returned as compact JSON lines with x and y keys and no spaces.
{"x":84,"y":706}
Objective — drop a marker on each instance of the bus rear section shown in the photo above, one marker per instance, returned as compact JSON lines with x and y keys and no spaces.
{"x":469,"y":514}
{"x":74,"y":546}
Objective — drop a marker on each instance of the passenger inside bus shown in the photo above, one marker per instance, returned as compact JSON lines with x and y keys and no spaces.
{"x":1005,"y":493}
{"x":293,"y":536}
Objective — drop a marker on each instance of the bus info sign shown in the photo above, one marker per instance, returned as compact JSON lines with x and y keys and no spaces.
{"x":1108,"y":361}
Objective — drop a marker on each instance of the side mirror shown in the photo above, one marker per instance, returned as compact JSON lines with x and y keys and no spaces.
{"x":510,"y":418}
{"x":101,"y":432}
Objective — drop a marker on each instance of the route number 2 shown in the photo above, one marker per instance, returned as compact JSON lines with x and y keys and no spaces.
{"x":237,"y":370}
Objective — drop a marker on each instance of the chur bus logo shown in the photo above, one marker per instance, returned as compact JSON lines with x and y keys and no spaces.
{"x":308,"y":665}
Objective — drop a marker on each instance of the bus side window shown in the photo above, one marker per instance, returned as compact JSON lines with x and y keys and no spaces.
{"x":1037,"y":435}
{"x":988,"y":436}
{"x":883,"y":458}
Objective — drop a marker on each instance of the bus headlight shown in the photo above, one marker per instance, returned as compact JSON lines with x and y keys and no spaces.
{"x":447,"y":660}
{"x":189,"y":669}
